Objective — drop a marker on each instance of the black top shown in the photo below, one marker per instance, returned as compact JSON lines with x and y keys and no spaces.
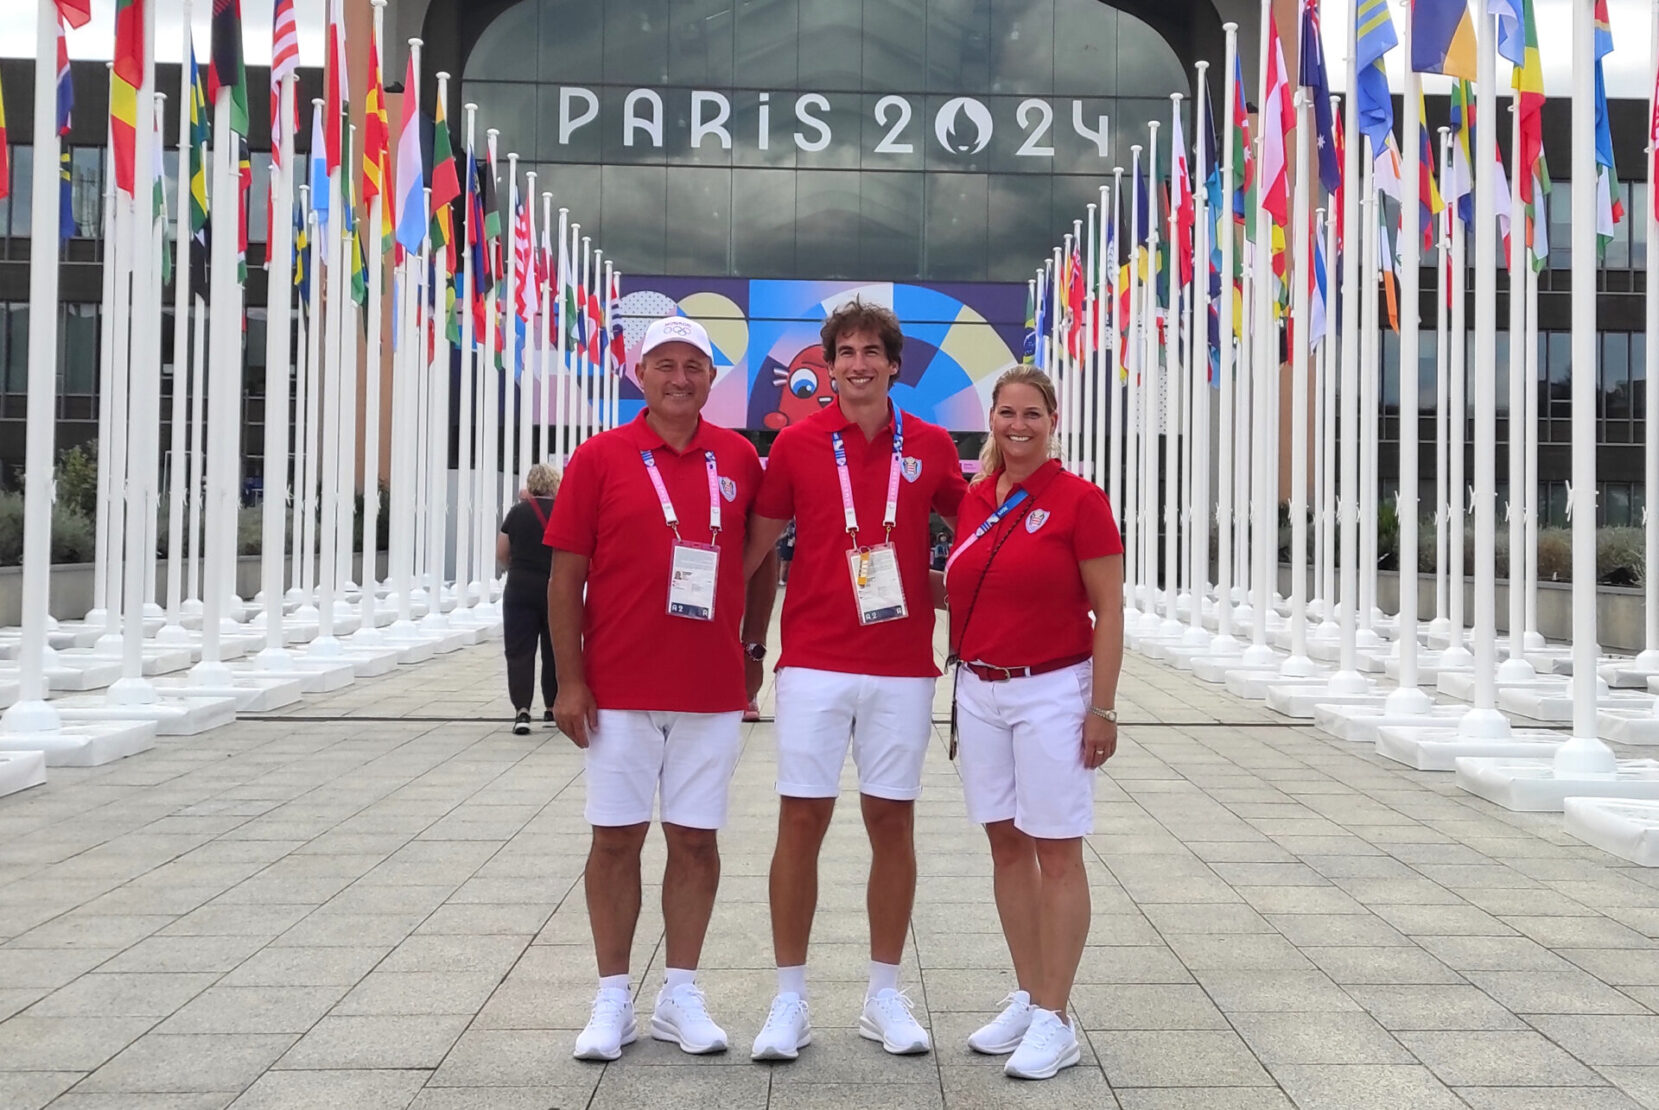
{"x":524,"y":526}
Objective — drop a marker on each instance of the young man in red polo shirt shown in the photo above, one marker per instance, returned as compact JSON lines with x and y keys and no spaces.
{"x":860,"y":478}
{"x":645,"y":598}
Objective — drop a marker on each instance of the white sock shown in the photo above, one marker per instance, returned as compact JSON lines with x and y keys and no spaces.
{"x":615,"y":982}
{"x":883,"y":977}
{"x":792,"y":980}
{"x":681,"y":977}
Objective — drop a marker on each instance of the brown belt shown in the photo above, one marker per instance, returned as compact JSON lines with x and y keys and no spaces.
{"x":1003,"y":674}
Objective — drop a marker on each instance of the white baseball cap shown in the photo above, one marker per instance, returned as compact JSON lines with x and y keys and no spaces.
{"x":676,"y":329}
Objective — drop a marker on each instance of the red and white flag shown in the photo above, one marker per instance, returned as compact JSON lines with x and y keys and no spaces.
{"x":1277,"y":121}
{"x":285,"y":59}
{"x":337,"y":91}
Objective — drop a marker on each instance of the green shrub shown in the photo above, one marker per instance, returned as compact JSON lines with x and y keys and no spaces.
{"x":73,"y":538}
{"x":77,"y":476}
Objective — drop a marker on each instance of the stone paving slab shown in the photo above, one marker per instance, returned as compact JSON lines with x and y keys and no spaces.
{"x":372,"y":899}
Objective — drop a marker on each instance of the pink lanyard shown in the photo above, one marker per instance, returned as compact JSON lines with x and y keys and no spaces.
{"x":849,"y":513}
{"x":667,"y":503}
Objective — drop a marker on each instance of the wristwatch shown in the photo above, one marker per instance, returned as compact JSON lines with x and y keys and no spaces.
{"x":1104,"y":714}
{"x":757,"y":652}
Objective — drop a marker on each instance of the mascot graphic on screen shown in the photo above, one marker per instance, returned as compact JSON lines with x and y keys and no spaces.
{"x":804,"y":388}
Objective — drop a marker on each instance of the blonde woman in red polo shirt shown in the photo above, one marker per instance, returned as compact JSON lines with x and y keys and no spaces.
{"x":644,"y":599}
{"x":860,"y":478}
{"x":1037,"y":551}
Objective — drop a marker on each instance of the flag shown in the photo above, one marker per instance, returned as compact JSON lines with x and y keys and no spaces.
{"x":1311,"y":74}
{"x":158,"y":195}
{"x":200,"y":128}
{"x":359,"y":274}
{"x":411,"y":184}
{"x":1528,"y":82}
{"x":596,"y":328}
{"x":619,"y":340}
{"x":1511,"y":37}
{"x":244,"y":180}
{"x":75,"y":12}
{"x":446,"y":187}
{"x":1374,"y":28}
{"x":1339,"y":202}
{"x":1185,"y":214}
{"x":1390,"y":271}
{"x":1443,"y":38}
{"x":302,"y":259}
{"x":492,"y":219}
{"x":66,"y":87}
{"x":1028,"y":349}
{"x":1071,"y":320}
{"x":1316,"y":310}
{"x":285,"y":60}
{"x":319,"y":166}
{"x":1653,"y":144}
{"x":1609,"y":205}
{"x":66,"y":198}
{"x":1459,"y":180}
{"x":377,"y":138}
{"x":1277,"y":121}
{"x":336,"y":90}
{"x":1428,"y":189}
{"x":566,"y":296}
{"x":523,"y":271}
{"x":1143,"y":218}
{"x":125,"y":78}
{"x":1244,"y":159}
{"x":228,"y":71}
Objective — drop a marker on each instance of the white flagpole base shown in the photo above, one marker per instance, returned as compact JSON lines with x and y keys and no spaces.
{"x":171,"y":715}
{"x":1544,"y":785}
{"x":1360,"y":723}
{"x":252,"y":691}
{"x":20,"y":770}
{"x":82,"y":743}
{"x":1625,"y":828}
{"x":1439,"y":749}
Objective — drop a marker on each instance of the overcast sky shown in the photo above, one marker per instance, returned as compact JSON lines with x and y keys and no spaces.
{"x":1629,"y":68}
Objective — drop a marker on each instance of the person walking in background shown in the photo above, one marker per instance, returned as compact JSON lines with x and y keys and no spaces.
{"x":1036,"y":683}
{"x":524,"y":601}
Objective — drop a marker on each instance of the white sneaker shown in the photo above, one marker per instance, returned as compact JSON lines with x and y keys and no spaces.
{"x":888,"y":1018}
{"x":786,"y":1032}
{"x":1049,"y":1046}
{"x":1002,"y":1033}
{"x":682,"y":1017}
{"x":609,"y":1028}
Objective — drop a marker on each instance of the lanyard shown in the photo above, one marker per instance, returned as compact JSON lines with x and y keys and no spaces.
{"x":891,"y":514}
{"x":668,"y":513}
{"x":990,"y":522}
{"x":535,"y":507}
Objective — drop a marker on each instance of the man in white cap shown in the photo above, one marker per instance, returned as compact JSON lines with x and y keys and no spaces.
{"x":645,"y":599}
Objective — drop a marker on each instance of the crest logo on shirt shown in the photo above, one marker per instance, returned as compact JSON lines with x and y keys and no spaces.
{"x":728,"y":489}
{"x":912,"y":468}
{"x":1036,"y":519}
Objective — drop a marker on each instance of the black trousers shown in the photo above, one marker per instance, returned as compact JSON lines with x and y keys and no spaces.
{"x":523,"y":627}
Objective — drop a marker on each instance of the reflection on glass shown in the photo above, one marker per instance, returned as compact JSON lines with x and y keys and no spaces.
{"x":78,"y":354}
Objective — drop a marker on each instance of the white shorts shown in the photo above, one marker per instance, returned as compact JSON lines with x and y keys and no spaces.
{"x":887,"y":720}
{"x":688,"y":756}
{"x":1020,"y":750}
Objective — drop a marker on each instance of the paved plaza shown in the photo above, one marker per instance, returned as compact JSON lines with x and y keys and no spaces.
{"x":374,"y":901}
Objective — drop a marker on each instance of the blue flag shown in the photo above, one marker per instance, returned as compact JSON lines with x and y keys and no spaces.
{"x":1313,"y":78}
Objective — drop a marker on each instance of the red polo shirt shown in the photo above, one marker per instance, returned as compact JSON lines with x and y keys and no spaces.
{"x":1032,"y":607}
{"x":635,"y":654}
{"x":820,"y":626}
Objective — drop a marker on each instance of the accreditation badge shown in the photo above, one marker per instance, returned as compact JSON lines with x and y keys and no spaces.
{"x":878,"y":591}
{"x":691,"y":581}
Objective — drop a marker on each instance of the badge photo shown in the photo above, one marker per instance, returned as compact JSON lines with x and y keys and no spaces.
{"x":1036,"y":519}
{"x":728,"y":489}
{"x":912,"y":468}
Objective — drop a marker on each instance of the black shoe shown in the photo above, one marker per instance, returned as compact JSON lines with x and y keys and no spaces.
{"x":547,"y":716}
{"x":521,"y":723}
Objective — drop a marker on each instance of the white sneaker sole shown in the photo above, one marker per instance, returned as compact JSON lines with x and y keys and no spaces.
{"x":870,"y":1031}
{"x":662,"y":1030}
{"x":629,"y":1036}
{"x":1001,"y":1048}
{"x":777,"y":1052}
{"x":1070,"y":1057}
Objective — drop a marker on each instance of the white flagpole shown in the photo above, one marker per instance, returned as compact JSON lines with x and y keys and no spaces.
{"x":1583,"y":755}
{"x":1110,"y":412}
{"x":1483,"y":721}
{"x":1649,"y":658}
{"x":279,"y":300}
{"x":109,"y":415}
{"x":601,"y":392}
{"x":512,"y":463}
{"x":31,"y":712}
{"x":1264,"y":467}
{"x":1088,"y":367}
{"x":1319,"y":605}
{"x":338,"y":291}
{"x":1244,"y":480}
{"x":493,"y":465}
{"x":1441,"y":626}
{"x":467,"y":589}
{"x":156,"y":228}
{"x":307,"y":497}
{"x":1151,"y":416}
{"x":437,"y":407}
{"x":419,"y":412}
{"x":612,"y":371}
{"x":346,"y":476}
{"x":545,"y":376}
{"x":120,"y":258}
{"x":144,"y":377}
{"x":1456,"y":656}
{"x":1067,"y":360}
{"x":1531,"y":637}
{"x":406,"y":364}
{"x":561,"y":388}
{"x":1297,"y":664}
{"x":223,"y":391}
{"x":1198,"y":352}
{"x":1407,"y":698}
{"x":1129,"y":513}
{"x":526,"y":375}
{"x":589,"y":409}
{"x":368,"y":631}
{"x":172,"y":632}
{"x":1174,"y":389}
{"x":1347,"y":679}
{"x":197,"y":440}
{"x":1224,"y":643}
{"x":1370,"y":351}
{"x":1515,"y":666}
{"x":1328,"y":630}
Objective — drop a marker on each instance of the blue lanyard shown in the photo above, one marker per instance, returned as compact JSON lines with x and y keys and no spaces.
{"x":991,"y":522}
